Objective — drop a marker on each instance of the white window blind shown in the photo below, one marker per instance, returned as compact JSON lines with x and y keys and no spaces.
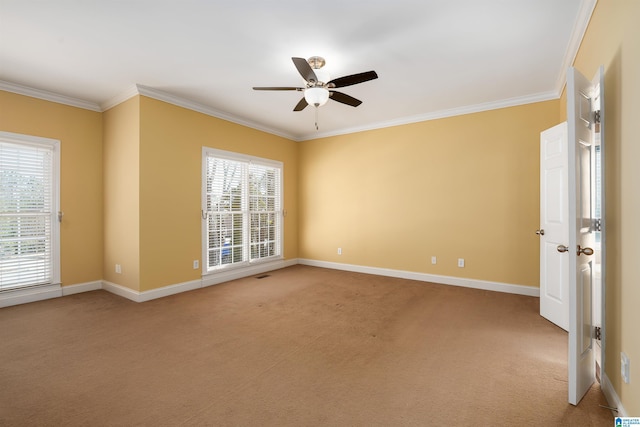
{"x":242,"y":209}
{"x":226,"y":211}
{"x":265,"y":211}
{"x":28,"y":215}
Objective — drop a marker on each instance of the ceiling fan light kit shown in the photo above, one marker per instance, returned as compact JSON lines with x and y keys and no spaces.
{"x":316,"y":96}
{"x":318,"y":88}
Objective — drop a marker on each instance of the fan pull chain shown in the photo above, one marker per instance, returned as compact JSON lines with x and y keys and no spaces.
{"x":317,"y":128}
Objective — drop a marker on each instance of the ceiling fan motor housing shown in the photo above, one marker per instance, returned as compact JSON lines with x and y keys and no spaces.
{"x":316,"y":62}
{"x":322,"y":77}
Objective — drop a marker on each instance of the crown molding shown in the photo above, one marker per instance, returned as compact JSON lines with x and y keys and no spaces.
{"x":469,"y":109}
{"x":577,"y":34}
{"x":149,"y":92}
{"x":138,"y":89}
{"x":205,"y":109}
{"x":128,"y":93}
{"x":48,"y":96}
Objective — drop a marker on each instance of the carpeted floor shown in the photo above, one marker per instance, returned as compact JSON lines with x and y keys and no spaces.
{"x":303,"y":347}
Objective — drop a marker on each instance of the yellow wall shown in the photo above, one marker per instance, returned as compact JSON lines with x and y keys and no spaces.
{"x":122,"y":193}
{"x":460,"y":187}
{"x":80,"y":134}
{"x":613,"y":40}
{"x":171,"y":141}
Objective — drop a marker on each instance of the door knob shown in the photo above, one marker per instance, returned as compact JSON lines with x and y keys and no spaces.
{"x":540,"y":232}
{"x":562,"y":248}
{"x":586,"y":251}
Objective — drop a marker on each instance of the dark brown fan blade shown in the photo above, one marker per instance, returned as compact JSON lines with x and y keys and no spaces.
{"x":353,"y":79}
{"x":277,"y":88}
{"x":305,"y":69}
{"x":344,"y":98}
{"x":301,"y":105}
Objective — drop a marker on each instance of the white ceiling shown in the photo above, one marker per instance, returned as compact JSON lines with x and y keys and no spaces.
{"x":434,"y":57}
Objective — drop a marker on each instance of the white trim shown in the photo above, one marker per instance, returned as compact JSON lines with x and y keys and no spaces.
{"x":577,"y":34}
{"x":81,"y":287}
{"x":37,"y":294}
{"x":23,"y":296}
{"x":121,"y":291}
{"x":204,"y":109}
{"x":211,"y":279}
{"x":459,"y":111}
{"x":48,"y":96}
{"x":56,"y":210}
{"x":612,"y":397}
{"x":27,"y":295}
{"x":128,"y":93}
{"x":433,"y":278}
{"x":20,"y":138}
{"x":201,"y":108}
{"x":138,"y":89}
{"x":165,"y":291}
{"x":240,"y":157}
{"x":239,"y":273}
{"x":246,"y":162}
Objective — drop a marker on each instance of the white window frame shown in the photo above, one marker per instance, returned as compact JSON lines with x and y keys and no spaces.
{"x":52,"y":288}
{"x":246,"y":160}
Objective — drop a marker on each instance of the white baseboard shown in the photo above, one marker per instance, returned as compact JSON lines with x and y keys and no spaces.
{"x":121,"y":291}
{"x":212,"y":279}
{"x":81,"y":287}
{"x":612,"y":396}
{"x":433,"y":278}
{"x":165,"y":291}
{"x":24,"y":296}
{"x":225,"y":276}
{"x":38,"y":294}
{"x":152,"y":294}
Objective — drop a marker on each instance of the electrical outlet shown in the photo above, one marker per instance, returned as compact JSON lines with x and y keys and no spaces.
{"x":624,"y":367}
{"x":196,"y":264}
{"x":118,"y":269}
{"x":339,"y":251}
{"x":460,"y":262}
{"x":434,"y":260}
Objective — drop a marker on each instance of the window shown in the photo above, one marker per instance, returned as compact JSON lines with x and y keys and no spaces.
{"x":242,"y":209}
{"x":29,"y":228}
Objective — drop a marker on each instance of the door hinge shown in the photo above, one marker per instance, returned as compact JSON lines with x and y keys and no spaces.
{"x":596,"y":116}
{"x":598,"y":333}
{"x":597,"y":224}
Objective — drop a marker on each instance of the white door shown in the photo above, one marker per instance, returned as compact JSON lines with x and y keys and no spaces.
{"x":581,"y":129}
{"x":554,"y":225}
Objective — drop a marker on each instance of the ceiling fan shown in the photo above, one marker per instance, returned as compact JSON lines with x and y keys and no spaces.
{"x":318,"y":88}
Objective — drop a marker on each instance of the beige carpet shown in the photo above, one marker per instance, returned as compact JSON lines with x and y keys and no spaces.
{"x":303,"y":347}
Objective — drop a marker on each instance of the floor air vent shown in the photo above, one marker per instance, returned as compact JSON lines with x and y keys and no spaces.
{"x":263,"y":276}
